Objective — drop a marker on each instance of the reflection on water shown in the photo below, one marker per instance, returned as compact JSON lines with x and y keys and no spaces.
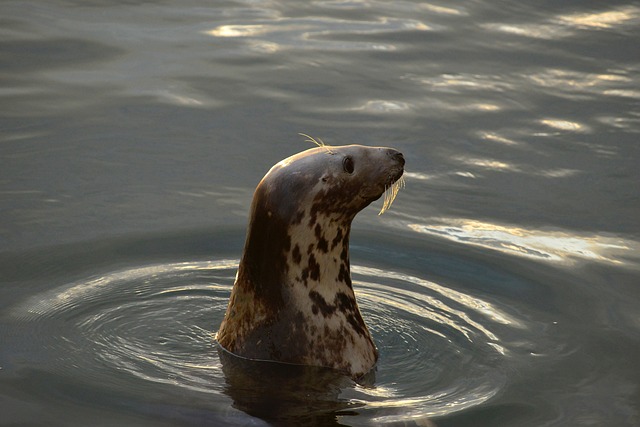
{"x":543,"y":245}
{"x":237,"y":31}
{"x":563,"y":26}
{"x":519,"y":123}
{"x":380,"y":106}
{"x":565,"y":125}
{"x":487,"y":164}
{"x":467,"y":302}
{"x":613,"y":18}
{"x":148,"y":325}
{"x":319,"y":33}
{"x":577,"y":85}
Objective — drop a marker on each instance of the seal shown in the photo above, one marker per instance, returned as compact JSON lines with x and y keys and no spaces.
{"x":292,"y":300}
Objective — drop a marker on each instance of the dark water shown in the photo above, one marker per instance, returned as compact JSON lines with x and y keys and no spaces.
{"x":502,"y":287}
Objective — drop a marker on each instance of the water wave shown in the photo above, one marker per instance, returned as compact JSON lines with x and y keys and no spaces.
{"x":153,"y":326}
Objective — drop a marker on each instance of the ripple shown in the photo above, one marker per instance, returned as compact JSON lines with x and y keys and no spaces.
{"x":438,"y":355}
{"x":153,"y":326}
{"x":318,"y":32}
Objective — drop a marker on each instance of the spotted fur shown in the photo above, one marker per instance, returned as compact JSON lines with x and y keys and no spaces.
{"x":292,"y":300}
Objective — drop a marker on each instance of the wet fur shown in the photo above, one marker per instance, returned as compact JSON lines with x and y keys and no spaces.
{"x":292,"y":300}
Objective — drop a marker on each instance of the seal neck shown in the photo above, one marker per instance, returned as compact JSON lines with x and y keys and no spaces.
{"x":280,"y":254}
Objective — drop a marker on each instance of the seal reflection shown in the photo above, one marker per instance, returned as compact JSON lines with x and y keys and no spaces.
{"x":288,"y":394}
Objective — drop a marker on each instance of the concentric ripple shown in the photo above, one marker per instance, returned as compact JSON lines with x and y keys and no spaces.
{"x":427,"y":331}
{"x":152,"y":328}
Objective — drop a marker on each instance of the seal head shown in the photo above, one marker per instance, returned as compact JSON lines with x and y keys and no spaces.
{"x":292,"y":300}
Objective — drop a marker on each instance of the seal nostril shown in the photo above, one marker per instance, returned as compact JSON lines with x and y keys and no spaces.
{"x":397,"y":156}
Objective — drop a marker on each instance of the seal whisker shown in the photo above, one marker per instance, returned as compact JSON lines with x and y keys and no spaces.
{"x":390,"y":193}
{"x":318,"y":142}
{"x":293,"y":299}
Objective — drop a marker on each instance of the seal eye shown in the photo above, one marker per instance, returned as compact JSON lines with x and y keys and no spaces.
{"x":347,"y":164}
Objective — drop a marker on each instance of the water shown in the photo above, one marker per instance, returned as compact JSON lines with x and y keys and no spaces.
{"x":501,"y":287}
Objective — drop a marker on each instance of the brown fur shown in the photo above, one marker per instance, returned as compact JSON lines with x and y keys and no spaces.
{"x":292,"y":300}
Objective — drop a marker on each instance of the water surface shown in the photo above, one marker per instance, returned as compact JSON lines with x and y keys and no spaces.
{"x":501,"y":287}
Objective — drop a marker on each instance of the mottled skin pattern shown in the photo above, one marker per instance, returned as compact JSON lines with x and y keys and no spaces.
{"x":292,"y":300}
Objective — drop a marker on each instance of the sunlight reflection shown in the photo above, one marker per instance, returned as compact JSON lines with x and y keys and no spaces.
{"x":408,"y":6}
{"x":382,"y":106}
{"x":483,"y":107}
{"x":264,"y":47}
{"x":324,"y":33}
{"x":628,"y":124}
{"x":179,"y":99}
{"x":565,"y":25}
{"x":553,"y":246}
{"x":491,"y":165}
{"x":559,"y":173}
{"x":416,"y":410}
{"x":602,"y":19}
{"x":418,"y":175}
{"x":575,"y":79}
{"x":477,"y":305}
{"x":538,"y":31}
{"x":487,"y":164}
{"x":237,"y":30}
{"x":574,"y":84}
{"x":430,"y":307}
{"x":453,"y":83}
{"x":492,"y":136}
{"x":54,"y":300}
{"x":564,"y":125}
{"x":442,"y":10}
{"x":623,"y":93}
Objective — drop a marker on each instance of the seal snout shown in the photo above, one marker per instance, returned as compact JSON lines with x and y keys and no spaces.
{"x":396,"y":156}
{"x":398,"y":169}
